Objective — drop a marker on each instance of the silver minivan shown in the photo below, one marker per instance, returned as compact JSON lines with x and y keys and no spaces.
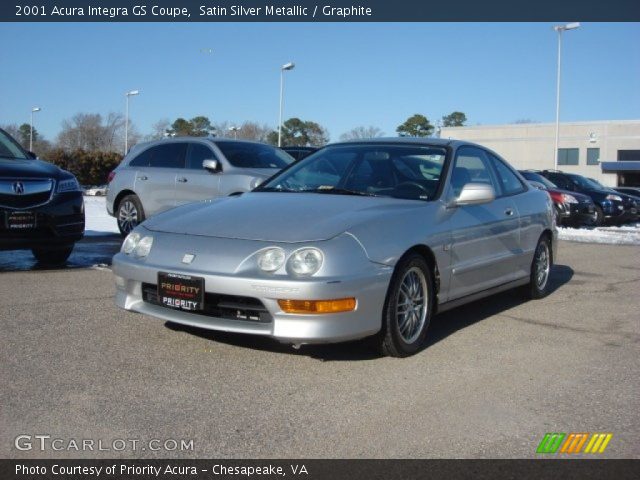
{"x":159,"y":175}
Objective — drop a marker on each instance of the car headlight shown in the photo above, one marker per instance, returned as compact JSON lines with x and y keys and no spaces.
{"x":68,"y":185}
{"x":143,"y":247}
{"x":271,"y":259}
{"x":130,"y":242}
{"x":569,"y":198}
{"x":305,"y":261}
{"x":615,"y":198}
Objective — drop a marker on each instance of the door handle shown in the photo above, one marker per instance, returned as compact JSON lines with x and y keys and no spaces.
{"x":508,"y":212}
{"x":144,"y":177}
{"x":182,"y":180}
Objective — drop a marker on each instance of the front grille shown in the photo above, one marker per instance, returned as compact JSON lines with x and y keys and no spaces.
{"x":231,"y":307}
{"x":23,"y":194}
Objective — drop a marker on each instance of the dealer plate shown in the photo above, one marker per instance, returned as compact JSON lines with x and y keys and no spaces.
{"x":21,"y":221}
{"x":182,"y":292}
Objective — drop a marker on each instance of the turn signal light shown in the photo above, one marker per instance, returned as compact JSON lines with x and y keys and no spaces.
{"x":318,"y":306}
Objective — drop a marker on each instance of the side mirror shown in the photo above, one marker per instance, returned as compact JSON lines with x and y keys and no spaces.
{"x":213,"y":166}
{"x":475,"y":194}
{"x":32,"y":155}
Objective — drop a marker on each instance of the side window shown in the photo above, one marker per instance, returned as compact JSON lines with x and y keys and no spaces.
{"x":509,"y":183}
{"x":142,"y":160}
{"x":560,"y":181}
{"x":169,"y":155}
{"x":197,"y":154}
{"x":470,"y":166}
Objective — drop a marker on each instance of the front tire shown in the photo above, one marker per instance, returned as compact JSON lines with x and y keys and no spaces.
{"x":540,"y":270}
{"x":408,"y":308}
{"x":598,"y":217}
{"x":130,"y":214}
{"x":52,"y":257}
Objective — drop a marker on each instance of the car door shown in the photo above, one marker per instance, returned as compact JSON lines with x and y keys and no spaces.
{"x":194,"y":183}
{"x":156,"y":176}
{"x":529,"y":213}
{"x":485,"y":238}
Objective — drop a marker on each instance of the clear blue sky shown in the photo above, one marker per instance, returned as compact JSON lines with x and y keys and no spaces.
{"x":346,"y":75}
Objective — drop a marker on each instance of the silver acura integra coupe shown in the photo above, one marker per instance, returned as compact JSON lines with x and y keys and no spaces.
{"x":366,"y":238}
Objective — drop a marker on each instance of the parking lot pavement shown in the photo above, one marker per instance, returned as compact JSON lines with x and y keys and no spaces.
{"x":497,"y":375}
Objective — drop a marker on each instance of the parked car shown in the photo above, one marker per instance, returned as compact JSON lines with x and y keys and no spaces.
{"x":633,"y":191}
{"x":611,"y":206}
{"x":572,"y":208}
{"x":96,"y":191}
{"x":365,"y":238}
{"x":41,"y":206}
{"x":298,"y":153}
{"x":628,"y":199}
{"x":159,"y":175}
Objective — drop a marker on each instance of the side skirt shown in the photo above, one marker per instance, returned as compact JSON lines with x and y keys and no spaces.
{"x":443,"y":307}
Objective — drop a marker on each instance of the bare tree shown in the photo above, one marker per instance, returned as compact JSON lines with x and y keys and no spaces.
{"x":254,"y":131}
{"x":159,"y":129}
{"x":362,"y":132}
{"x":89,"y":132}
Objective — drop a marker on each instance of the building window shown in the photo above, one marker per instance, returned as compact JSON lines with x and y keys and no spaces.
{"x":593,"y":156}
{"x":568,"y":156}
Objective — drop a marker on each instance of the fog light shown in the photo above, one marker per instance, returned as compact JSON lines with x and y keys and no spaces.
{"x":318,"y":306}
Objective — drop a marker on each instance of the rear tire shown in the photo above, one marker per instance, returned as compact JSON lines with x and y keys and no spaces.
{"x":52,"y":257}
{"x":407,"y":309}
{"x":540,"y":269}
{"x":129,"y":214}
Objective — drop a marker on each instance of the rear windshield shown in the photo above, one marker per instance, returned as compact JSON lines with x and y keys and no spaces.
{"x":254,"y":155}
{"x":536,"y":177}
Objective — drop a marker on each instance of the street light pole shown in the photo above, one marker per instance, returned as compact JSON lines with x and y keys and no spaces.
{"x":234,"y":129}
{"x":34,"y":109}
{"x":560,"y":29}
{"x":286,"y":66}
{"x":126,"y":119}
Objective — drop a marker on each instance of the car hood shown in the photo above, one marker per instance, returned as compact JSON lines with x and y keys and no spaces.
{"x":277,"y":217}
{"x":28,"y":169}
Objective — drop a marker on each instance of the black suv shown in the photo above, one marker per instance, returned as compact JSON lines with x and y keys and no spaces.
{"x":41,"y":206}
{"x":611,"y":206}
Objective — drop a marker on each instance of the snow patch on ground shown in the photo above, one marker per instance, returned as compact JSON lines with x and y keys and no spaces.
{"x":97,"y":220}
{"x":623,"y":235}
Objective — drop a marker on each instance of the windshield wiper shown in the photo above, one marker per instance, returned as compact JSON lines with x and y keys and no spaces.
{"x":274,"y":189}
{"x":340,"y":191}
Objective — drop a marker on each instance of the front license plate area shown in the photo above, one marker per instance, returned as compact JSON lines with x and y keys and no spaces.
{"x":181,"y":292}
{"x":21,"y":221}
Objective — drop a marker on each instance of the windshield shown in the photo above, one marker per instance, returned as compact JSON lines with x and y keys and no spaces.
{"x":586,"y":183}
{"x":401,"y":171}
{"x":536,"y":177}
{"x":10,"y":149}
{"x":254,"y":155}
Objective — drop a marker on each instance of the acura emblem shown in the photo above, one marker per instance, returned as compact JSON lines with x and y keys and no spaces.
{"x":18,"y":188}
{"x":188,"y":258}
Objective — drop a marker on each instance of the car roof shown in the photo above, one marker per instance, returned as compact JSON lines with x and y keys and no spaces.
{"x":433,"y":141}
{"x":190,"y":139}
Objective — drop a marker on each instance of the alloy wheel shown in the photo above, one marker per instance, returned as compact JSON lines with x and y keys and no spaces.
{"x":411,"y":304}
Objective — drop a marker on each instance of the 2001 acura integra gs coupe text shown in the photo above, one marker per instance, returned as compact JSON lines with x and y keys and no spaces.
{"x":359,"y":239}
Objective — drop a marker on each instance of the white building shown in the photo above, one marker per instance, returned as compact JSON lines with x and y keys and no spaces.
{"x":608,"y":151}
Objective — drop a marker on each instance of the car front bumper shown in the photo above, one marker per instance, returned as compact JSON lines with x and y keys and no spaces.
{"x":368,"y":288}
{"x":59,"y":223}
